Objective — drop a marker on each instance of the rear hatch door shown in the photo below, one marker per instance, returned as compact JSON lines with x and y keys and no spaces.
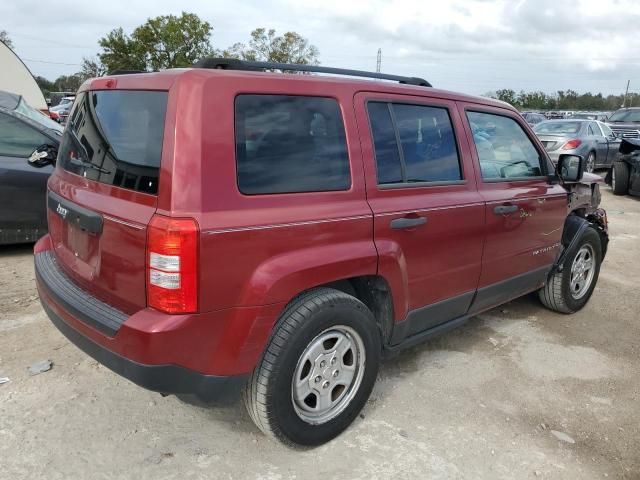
{"x":104,"y":192}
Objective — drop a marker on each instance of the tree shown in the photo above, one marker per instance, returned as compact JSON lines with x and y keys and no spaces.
{"x":507,"y":95}
{"x":166,"y":41}
{"x":67,"y":83}
{"x":4,"y":38}
{"x":45,"y":85}
{"x":91,"y":68}
{"x":119,"y":52}
{"x":266,"y":46}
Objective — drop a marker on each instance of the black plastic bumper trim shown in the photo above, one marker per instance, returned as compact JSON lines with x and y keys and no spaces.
{"x":159,"y":378}
{"x":73,"y":299}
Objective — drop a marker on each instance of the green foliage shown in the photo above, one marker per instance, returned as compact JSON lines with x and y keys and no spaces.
{"x":119,"y":52}
{"x":4,"y":38}
{"x":563,"y":100}
{"x":266,"y":46}
{"x":171,"y":41}
{"x":167,"y":41}
{"x":91,"y":68}
{"x":64,"y":83}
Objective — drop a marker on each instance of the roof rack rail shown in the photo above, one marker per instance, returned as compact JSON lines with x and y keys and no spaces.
{"x":125,"y":72}
{"x":235,"y":64}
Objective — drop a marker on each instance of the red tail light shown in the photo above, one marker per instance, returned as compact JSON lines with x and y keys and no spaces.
{"x":172,"y":264}
{"x":571,"y":144}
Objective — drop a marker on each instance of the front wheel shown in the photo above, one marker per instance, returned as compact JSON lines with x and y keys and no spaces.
{"x":590,"y":165}
{"x":569,"y":289}
{"x":620,"y":178}
{"x":318,"y":370}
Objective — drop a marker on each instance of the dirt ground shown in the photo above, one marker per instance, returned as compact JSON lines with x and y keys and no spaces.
{"x":518,"y":392}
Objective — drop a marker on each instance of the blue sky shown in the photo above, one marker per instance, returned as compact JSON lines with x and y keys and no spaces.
{"x":473,"y":46}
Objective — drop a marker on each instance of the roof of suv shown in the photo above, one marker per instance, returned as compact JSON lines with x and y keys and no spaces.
{"x":165,"y":79}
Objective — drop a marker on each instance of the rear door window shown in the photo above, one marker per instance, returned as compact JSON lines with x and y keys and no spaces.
{"x":287,"y":144}
{"x":115,"y":137}
{"x":413,"y":143}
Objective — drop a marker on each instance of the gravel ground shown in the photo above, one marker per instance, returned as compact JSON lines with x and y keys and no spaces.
{"x":519,"y":392}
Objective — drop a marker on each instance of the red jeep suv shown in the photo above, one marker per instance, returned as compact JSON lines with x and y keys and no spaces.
{"x":222,"y":225}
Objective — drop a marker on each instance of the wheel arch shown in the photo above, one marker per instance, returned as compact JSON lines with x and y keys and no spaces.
{"x":574,"y":227}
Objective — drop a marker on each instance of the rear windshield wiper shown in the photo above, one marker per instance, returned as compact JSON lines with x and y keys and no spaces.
{"x":80,"y":162}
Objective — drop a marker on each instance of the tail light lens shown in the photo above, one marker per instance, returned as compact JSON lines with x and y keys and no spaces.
{"x":571,"y":144}
{"x":172,"y":264}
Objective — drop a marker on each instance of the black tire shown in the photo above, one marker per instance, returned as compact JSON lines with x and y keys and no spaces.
{"x":557,"y":293}
{"x":590,"y":164}
{"x":269,"y":392}
{"x":620,"y":178}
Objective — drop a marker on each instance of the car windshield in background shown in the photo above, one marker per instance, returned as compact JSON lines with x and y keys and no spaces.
{"x":25,"y":109}
{"x":558,"y":127}
{"x":625,"y":116}
{"x":115,"y":137}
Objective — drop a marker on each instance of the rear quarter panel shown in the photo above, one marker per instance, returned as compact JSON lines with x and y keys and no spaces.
{"x":260,"y":249}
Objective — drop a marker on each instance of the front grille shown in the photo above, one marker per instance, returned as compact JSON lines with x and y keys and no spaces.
{"x":626,"y":132}
{"x":82,"y":305}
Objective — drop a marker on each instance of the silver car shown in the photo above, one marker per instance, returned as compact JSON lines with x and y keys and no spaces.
{"x":594,"y":140}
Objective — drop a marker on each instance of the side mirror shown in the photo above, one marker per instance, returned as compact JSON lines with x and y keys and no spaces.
{"x":570,"y":168}
{"x":43,"y":155}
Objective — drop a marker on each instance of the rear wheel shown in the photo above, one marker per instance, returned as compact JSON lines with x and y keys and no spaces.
{"x":620,"y":178}
{"x":569,"y":289}
{"x":590,"y":165}
{"x":318,"y":370}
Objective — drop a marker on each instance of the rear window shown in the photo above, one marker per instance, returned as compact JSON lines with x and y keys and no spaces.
{"x":287,"y":144}
{"x":115,"y":137}
{"x":558,"y":127}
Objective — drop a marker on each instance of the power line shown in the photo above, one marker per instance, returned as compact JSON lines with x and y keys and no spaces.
{"x":48,"y":41}
{"x":53,"y":63}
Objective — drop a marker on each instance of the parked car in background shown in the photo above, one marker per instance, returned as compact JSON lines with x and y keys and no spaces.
{"x":22,"y":188}
{"x":220,"y":226}
{"x":599,"y":116}
{"x":60,"y":112}
{"x":56,"y":97}
{"x":553,"y":115}
{"x":625,"y":122}
{"x":624,"y":174}
{"x":591,"y":139}
{"x":533,"y":118}
{"x":584,"y":116}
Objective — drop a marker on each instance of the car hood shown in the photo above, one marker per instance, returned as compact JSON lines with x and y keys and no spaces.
{"x":632,"y":125}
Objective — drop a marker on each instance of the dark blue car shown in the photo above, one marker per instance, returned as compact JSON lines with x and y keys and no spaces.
{"x":23,"y":188}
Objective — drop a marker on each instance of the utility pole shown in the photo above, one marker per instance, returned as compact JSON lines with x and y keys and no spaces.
{"x":379,"y":62}
{"x":624,"y":102}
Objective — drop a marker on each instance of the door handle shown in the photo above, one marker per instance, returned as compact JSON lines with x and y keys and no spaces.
{"x":505,"y":209}
{"x":407,"y":222}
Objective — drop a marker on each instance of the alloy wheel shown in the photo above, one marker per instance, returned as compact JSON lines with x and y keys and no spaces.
{"x":582,"y":272}
{"x":328,"y":374}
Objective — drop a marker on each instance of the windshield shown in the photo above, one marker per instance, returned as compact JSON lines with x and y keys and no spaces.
{"x":625,"y":116}
{"x":25,"y":109}
{"x":557,"y":127}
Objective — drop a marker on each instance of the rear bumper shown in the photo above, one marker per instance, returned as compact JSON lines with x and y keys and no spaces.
{"x":206,"y":354}
{"x":159,"y":378}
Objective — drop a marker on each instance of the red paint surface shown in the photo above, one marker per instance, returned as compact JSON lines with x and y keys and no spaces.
{"x":258,"y":252}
